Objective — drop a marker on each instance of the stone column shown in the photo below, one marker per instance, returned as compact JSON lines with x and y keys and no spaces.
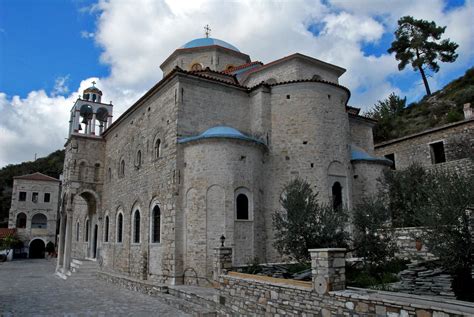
{"x":68,"y":244}
{"x":109,"y":122}
{"x":93,"y":124}
{"x":328,"y":269}
{"x":75,"y":121}
{"x":62,"y":232}
{"x":222,"y":262}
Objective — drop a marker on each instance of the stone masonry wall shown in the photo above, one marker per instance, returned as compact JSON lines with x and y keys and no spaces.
{"x":261,"y":296}
{"x":30,"y":208}
{"x":143,"y":185}
{"x":292,"y":70}
{"x":458,"y":142}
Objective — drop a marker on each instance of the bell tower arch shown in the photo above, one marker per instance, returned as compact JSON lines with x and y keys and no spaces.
{"x":89,"y":116}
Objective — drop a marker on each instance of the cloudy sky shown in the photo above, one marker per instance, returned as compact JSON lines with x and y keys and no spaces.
{"x":51,"y":50}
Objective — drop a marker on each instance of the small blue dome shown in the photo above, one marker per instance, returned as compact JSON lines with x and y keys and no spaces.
{"x":208,"y":41}
{"x":358,"y":154}
{"x":220,"y":132}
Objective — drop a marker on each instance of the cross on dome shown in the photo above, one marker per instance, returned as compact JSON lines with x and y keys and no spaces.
{"x":93,"y":83}
{"x":207,"y":30}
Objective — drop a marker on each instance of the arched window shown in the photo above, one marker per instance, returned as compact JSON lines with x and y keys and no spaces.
{"x":139,"y":158}
{"x":96,"y":172}
{"x":196,"y":66}
{"x":157,"y":148}
{"x":94,"y":97}
{"x":316,"y":77}
{"x":119,"y":227}
{"x":39,"y":221}
{"x":122,"y":168}
{"x":86,"y":230}
{"x":229,"y":67}
{"x":156,"y":225}
{"x":77,"y":231}
{"x":82,"y":171}
{"x":21,"y":220}
{"x":106,"y":229}
{"x":242,"y":203}
{"x":136,"y":227}
{"x":336,"y":195}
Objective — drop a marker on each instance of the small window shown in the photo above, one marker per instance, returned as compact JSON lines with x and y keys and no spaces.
{"x":106,"y":229}
{"x":122,"y":168}
{"x":86,"y":237}
{"x":437,"y":153}
{"x":47,"y":197}
{"x":21,"y":220}
{"x":34,"y":197}
{"x":77,"y":231}
{"x":230,"y":67}
{"x":139,"y":159}
{"x":136,"y":227}
{"x":391,"y":157}
{"x":22,"y":196}
{"x":242,"y":207}
{"x":156,"y":225}
{"x":337,"y":195}
{"x":119,"y":227}
{"x":157,"y":148}
{"x":109,"y":174}
{"x":196,"y":66}
{"x":316,"y":77}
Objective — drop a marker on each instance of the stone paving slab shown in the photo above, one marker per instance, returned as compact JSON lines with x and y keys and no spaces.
{"x":30,"y":288}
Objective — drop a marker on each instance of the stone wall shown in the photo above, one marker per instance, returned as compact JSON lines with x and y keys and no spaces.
{"x":458,"y":140}
{"x":410,"y":247}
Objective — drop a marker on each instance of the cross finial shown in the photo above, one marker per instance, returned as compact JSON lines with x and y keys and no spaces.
{"x":93,"y":83}
{"x":207,"y":30}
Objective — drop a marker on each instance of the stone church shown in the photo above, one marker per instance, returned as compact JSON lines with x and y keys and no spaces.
{"x":206,"y":153}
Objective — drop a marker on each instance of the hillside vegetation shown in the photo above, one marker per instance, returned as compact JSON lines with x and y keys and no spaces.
{"x":442,"y":107}
{"x":51,"y":165}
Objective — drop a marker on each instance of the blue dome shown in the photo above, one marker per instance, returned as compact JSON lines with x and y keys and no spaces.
{"x":220,"y":132}
{"x":358,"y":154}
{"x":208,"y":41}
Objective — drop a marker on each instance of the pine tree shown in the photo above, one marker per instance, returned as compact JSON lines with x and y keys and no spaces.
{"x":418,"y":42}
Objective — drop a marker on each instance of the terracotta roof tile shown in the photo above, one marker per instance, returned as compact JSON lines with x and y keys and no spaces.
{"x":37,"y":177}
{"x":6,"y":231}
{"x":233,"y":69}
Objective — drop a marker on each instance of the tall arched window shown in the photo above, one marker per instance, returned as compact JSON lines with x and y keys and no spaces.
{"x":139,"y":158}
{"x":119,"y":227}
{"x":242,"y":203}
{"x":136,"y":227}
{"x":157,"y":148}
{"x":106,"y":229}
{"x":122,"y":168}
{"x":156,"y":225}
{"x":39,"y":221}
{"x":21,"y":220}
{"x":337,"y":195}
{"x":86,"y":229}
{"x":96,"y":172}
{"x":77,"y":231}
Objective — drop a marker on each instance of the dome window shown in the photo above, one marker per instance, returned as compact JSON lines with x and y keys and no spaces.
{"x":196,"y":67}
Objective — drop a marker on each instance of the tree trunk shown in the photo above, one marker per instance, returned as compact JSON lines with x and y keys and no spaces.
{"x":425,"y":81}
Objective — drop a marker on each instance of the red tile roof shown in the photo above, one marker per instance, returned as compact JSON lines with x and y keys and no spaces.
{"x":236,"y":68}
{"x":37,"y":177}
{"x":6,"y":231}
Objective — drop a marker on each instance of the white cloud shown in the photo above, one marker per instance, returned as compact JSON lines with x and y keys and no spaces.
{"x":137,"y":36}
{"x":60,"y":86}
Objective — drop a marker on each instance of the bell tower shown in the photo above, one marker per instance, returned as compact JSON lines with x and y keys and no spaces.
{"x":89,"y":116}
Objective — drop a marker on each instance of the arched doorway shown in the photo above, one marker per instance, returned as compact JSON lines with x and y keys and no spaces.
{"x":37,"y":248}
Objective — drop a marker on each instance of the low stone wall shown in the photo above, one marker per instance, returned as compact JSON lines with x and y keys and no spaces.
{"x":406,"y":239}
{"x":253,"y":295}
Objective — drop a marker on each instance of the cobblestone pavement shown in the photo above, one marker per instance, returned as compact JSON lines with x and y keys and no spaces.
{"x":29,"y":288}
